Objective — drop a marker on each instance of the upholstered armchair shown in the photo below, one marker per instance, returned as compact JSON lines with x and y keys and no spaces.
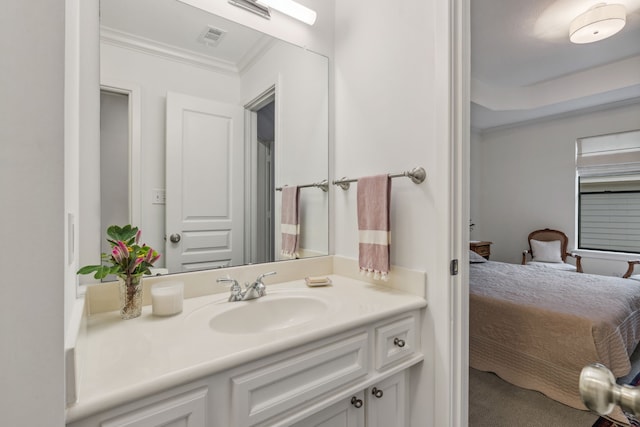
{"x":548,"y":248}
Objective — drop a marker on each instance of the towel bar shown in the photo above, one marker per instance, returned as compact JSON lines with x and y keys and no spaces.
{"x":323,"y":185}
{"x":417,"y":176}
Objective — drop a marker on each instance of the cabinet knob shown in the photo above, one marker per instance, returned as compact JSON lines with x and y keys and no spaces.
{"x":398,"y":342}
{"x":356,"y":402}
{"x":377,"y":392}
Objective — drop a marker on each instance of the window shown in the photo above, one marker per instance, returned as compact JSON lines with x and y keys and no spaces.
{"x":609,"y":216}
{"x":609,"y":192}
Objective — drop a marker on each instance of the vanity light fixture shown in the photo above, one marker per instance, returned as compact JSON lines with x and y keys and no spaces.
{"x":288,"y":7}
{"x":293,"y":9}
{"x":598,"y":23}
{"x":253,"y":6}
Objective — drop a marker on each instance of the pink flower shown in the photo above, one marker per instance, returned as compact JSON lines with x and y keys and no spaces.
{"x":124,"y":249}
{"x":138,"y":236}
{"x":137,"y":262}
{"x":115,"y":253}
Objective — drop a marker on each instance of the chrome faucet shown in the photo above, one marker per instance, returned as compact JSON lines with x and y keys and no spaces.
{"x":254,"y":290}
{"x":257,"y":289}
{"x":236,"y":290}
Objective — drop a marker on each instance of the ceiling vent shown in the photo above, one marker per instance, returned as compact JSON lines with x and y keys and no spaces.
{"x":212,"y":36}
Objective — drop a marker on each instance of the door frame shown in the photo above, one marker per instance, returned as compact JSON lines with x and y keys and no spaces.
{"x":460,"y":127}
{"x":271,"y":92}
{"x":135,"y":145}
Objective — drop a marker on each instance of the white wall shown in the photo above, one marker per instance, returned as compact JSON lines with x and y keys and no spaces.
{"x":523,"y":179}
{"x":32,"y":214}
{"x":392,"y":114}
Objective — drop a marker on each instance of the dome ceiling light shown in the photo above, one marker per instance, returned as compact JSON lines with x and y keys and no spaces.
{"x":598,"y":23}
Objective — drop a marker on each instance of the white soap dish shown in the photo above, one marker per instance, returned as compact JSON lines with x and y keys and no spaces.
{"x":317,"y":281}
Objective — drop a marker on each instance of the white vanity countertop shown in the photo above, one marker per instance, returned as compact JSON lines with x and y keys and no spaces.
{"x":123,"y":360}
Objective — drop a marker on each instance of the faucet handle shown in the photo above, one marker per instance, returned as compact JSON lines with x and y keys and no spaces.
{"x":236,"y":290}
{"x":226,"y":279}
{"x":262,"y":276}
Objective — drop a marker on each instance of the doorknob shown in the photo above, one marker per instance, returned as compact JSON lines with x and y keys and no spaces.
{"x":600,"y":393}
{"x":175,"y":238}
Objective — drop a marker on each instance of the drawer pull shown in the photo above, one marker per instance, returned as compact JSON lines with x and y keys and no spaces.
{"x":356,"y":402}
{"x":398,"y":342}
{"x":377,"y":392}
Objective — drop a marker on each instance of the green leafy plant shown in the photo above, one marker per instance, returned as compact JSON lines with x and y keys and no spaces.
{"x":127,"y":257}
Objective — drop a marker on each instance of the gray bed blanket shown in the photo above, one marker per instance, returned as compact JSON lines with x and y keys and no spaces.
{"x":537,"y":327}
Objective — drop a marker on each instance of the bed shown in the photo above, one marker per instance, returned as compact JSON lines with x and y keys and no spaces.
{"x":536,"y":327}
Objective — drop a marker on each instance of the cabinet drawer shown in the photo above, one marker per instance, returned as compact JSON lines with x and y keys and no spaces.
{"x":395,"y":341}
{"x":285,"y":384}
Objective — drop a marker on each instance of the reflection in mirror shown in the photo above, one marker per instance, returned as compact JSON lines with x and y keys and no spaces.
{"x":212,"y":117}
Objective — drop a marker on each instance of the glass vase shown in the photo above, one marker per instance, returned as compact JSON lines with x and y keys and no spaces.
{"x":130,"y":296}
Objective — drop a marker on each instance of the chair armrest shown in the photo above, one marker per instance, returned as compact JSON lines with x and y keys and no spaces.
{"x":524,"y":256}
{"x":578,"y":261}
{"x":632,"y":264}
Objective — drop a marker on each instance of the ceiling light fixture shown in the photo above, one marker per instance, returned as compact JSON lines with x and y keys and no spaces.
{"x":598,"y":23}
{"x":288,"y":7}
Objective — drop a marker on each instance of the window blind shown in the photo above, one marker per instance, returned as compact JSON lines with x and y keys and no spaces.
{"x":610,"y":221}
{"x":608,"y":154}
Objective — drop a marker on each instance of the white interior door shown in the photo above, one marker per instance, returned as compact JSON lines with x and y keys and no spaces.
{"x":204,"y":188}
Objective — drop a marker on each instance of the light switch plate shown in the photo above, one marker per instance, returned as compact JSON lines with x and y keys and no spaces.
{"x":159,"y":196}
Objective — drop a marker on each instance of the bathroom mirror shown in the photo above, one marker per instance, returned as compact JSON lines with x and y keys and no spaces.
{"x":214,"y":118}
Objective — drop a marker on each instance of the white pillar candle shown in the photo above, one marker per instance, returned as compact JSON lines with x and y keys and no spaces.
{"x":166,"y":298}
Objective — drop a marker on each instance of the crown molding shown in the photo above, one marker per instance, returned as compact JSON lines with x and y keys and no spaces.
{"x":151,"y":47}
{"x":256,"y":52}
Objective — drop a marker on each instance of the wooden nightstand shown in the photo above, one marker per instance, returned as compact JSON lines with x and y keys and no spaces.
{"x":481,"y":248}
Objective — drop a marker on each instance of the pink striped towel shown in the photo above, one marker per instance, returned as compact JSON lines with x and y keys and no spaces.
{"x":374,"y":196}
{"x":290,"y":222}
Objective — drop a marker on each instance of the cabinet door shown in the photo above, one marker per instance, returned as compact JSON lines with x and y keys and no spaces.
{"x":186,"y":410}
{"x":346,"y":413}
{"x":387,"y":402}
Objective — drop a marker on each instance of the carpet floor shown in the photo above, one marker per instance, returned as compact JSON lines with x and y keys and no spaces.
{"x":494,"y":402}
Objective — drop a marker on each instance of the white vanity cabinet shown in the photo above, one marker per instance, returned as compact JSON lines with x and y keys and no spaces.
{"x":356,"y":378}
{"x":349,"y":412}
{"x":382,"y":405}
{"x":183,"y":407}
{"x":387,"y":402}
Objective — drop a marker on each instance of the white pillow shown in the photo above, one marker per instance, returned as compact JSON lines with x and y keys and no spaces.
{"x":474,"y":258}
{"x":546,"y":251}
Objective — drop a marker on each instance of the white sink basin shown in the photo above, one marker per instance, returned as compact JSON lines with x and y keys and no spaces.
{"x":269,"y":313}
